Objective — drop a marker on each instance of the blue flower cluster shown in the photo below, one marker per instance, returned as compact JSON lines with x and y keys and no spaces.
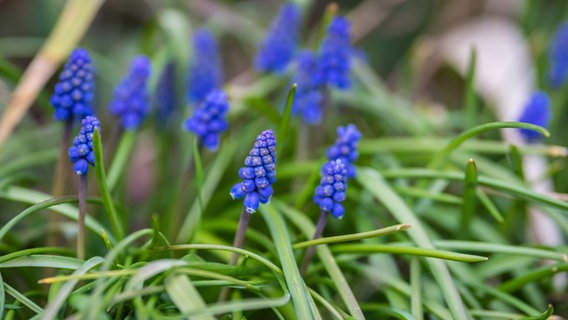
{"x":345,"y":147}
{"x":258,"y":174}
{"x":559,"y":57}
{"x":205,"y":73}
{"x":308,"y":98}
{"x":208,"y":120}
{"x":73,"y":93}
{"x":81,"y":153}
{"x":166,"y":95}
{"x":279,"y":44}
{"x":130,"y":101}
{"x":333,"y":185}
{"x":537,"y":111}
{"x":335,"y":54}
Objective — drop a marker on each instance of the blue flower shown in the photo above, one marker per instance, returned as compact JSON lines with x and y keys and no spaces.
{"x":208,"y":120}
{"x":345,"y":147}
{"x":73,"y":94}
{"x":537,"y":111}
{"x":333,"y":185}
{"x":335,"y":54}
{"x":205,"y":74}
{"x":81,"y":153}
{"x":130,"y":101}
{"x":166,"y":95}
{"x":559,"y":57}
{"x":308,"y":98}
{"x":279,"y":44}
{"x":258,"y":174}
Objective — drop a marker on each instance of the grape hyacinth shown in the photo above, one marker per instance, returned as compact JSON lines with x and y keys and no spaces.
{"x":558,"y":71}
{"x":209,"y":119}
{"x":280,"y":42}
{"x":166,"y":95}
{"x":345,"y":147}
{"x":537,"y":111}
{"x":258,"y":174}
{"x":81,"y":153}
{"x":333,"y":185}
{"x":205,"y":73}
{"x":130,"y":101}
{"x":308,"y":98}
{"x":335,"y":54}
{"x":73,"y":94}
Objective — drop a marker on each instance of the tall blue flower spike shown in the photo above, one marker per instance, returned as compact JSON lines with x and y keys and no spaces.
{"x":130,"y":101}
{"x":537,"y":111}
{"x":81,"y":153}
{"x":209,"y":119}
{"x":335,"y":54}
{"x":308,"y":98}
{"x":280,"y":42}
{"x":166,"y":95}
{"x":73,"y":93}
{"x":258,"y":174}
{"x":333,"y":185}
{"x":205,"y":73}
{"x":345,"y":148}
{"x":558,"y":72}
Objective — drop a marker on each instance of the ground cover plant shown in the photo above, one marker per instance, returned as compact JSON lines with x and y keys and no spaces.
{"x":283,"y":160}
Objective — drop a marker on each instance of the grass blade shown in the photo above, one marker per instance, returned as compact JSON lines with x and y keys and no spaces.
{"x":125,"y":146}
{"x":2,"y":297}
{"x":470,"y":103}
{"x":468,"y":205}
{"x":42,"y":261}
{"x":414,"y":251}
{"x":415,"y":286}
{"x":184,"y":295}
{"x":22,"y":299}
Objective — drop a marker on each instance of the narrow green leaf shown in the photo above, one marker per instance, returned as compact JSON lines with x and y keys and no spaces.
{"x":27,"y":252}
{"x":541,"y":273}
{"x":298,"y":291}
{"x":108,"y":203}
{"x":282,"y":131}
{"x":53,"y":307}
{"x":468,"y":205}
{"x":184,"y":295}
{"x":413,"y":251}
{"x":353,"y":236}
{"x":2,"y":297}
{"x":488,"y":204}
{"x":123,"y":151}
{"x":22,"y":299}
{"x":415,"y":286}
{"x":544,"y":316}
{"x":517,"y":162}
{"x":470,"y":103}
{"x":200,"y":181}
{"x":42,"y":261}
{"x":376,"y":185}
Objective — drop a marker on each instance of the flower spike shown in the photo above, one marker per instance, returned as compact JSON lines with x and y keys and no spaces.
{"x":81,"y":153}
{"x":258,"y":174}
{"x":558,"y":72}
{"x":345,"y":147}
{"x":335,"y":54}
{"x":73,"y":94}
{"x":309,"y":97}
{"x":537,"y":111}
{"x":205,"y":73}
{"x":333,"y":185}
{"x":130,"y":100}
{"x":209,"y":119}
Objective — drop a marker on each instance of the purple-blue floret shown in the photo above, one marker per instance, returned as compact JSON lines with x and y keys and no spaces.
{"x":537,"y":111}
{"x":209,"y":119}
{"x":280,"y":42}
{"x":81,"y":153}
{"x":73,"y":94}
{"x":558,"y":71}
{"x":130,"y":101}
{"x":258,"y":174}
{"x":335,"y":54}
{"x":345,"y":147}
{"x":205,"y":72}
{"x":333,"y":185}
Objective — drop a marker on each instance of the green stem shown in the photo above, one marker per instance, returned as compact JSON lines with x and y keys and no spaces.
{"x":82,"y":214}
{"x":312,"y":249}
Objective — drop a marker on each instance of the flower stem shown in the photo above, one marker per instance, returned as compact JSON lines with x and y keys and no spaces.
{"x":82,"y":213}
{"x":317,"y":234}
{"x":61,"y":169}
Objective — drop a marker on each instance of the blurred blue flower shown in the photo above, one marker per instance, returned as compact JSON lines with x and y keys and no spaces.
{"x":335,"y":54}
{"x":205,"y":73}
{"x":166,"y":95}
{"x":537,"y":111}
{"x":308,"y":98}
{"x":209,"y":119}
{"x":279,"y":44}
{"x":258,"y":174}
{"x":130,"y":101}
{"x":73,"y":94}
{"x":333,"y":185}
{"x":559,"y":57}
{"x":345,"y":147}
{"x":81,"y":153}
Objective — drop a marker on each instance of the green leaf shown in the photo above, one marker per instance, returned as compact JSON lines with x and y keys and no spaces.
{"x":468,"y":205}
{"x":184,"y":295}
{"x":108,"y":203}
{"x":414,"y":251}
{"x":470,"y":103}
{"x":22,"y":299}
{"x":42,"y":261}
{"x":2,"y":297}
{"x":121,"y":157}
{"x":544,"y":316}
